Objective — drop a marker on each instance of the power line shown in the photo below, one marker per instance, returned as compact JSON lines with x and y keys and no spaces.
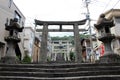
{"x":106,"y":5}
{"x":116,"y":4}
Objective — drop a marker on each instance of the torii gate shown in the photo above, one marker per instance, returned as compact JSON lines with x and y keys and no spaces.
{"x":45,"y":30}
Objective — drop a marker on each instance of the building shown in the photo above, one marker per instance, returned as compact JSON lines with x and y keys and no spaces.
{"x":61,"y":50}
{"x":8,"y":10}
{"x":114,"y":14}
{"x":88,"y":49}
{"x":29,"y":36}
{"x":36,"y":49}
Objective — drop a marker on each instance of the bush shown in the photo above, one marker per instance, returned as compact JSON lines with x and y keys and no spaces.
{"x":26,"y":59}
{"x":72,"y":56}
{"x":48,"y":59}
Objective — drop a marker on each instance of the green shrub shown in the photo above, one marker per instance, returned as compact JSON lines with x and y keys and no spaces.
{"x":48,"y":59}
{"x":72,"y":56}
{"x":26,"y":59}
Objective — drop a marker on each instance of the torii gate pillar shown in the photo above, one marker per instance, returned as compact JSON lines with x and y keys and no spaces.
{"x":43,"y":51}
{"x":78,"y":48}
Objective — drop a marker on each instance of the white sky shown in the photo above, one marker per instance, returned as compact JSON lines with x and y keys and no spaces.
{"x":62,"y":10}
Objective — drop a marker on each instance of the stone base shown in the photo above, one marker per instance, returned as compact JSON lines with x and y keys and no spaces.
{"x":110,"y":58}
{"x":9,"y":60}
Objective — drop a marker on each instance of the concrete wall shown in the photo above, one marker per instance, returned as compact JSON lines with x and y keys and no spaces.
{"x":29,"y":40}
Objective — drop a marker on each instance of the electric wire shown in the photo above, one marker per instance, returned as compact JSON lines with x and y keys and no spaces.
{"x":106,"y":5}
{"x":116,"y":4}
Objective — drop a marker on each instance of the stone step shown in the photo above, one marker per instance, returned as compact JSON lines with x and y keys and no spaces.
{"x":63,"y":71}
{"x":98,"y":77}
{"x":59,"y":65}
{"x":95,"y":68}
{"x":60,"y":74}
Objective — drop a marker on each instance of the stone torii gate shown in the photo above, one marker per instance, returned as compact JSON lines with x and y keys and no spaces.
{"x":45,"y":30}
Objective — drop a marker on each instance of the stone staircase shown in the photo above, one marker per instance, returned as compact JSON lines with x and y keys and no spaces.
{"x":60,"y":71}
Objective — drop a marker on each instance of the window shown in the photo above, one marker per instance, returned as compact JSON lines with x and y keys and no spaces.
{"x":107,"y":30}
{"x":56,"y":42}
{"x":17,"y":15}
{"x":64,"y":42}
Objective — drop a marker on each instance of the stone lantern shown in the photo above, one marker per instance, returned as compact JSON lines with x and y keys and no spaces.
{"x":103,"y":26}
{"x":12,"y":40}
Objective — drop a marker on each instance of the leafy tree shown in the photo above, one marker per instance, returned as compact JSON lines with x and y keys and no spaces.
{"x":60,"y":38}
{"x":71,"y":38}
{"x":83,"y":36}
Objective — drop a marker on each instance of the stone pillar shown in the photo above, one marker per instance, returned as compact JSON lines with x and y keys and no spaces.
{"x":12,"y":40}
{"x":78,"y":48}
{"x":109,"y":56}
{"x":11,"y":50}
{"x":108,"y":49}
{"x":43,"y":51}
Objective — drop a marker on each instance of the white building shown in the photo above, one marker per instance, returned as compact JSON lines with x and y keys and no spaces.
{"x":8,"y":10}
{"x":61,"y":49}
{"x":114,"y":14}
{"x":29,"y":36}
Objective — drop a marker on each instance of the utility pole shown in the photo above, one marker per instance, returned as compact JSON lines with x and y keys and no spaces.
{"x":89,"y":24}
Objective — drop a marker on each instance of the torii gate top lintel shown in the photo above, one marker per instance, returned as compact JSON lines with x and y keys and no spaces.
{"x":81,"y":22}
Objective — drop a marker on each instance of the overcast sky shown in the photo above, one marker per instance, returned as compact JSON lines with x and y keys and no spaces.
{"x":62,"y":10}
